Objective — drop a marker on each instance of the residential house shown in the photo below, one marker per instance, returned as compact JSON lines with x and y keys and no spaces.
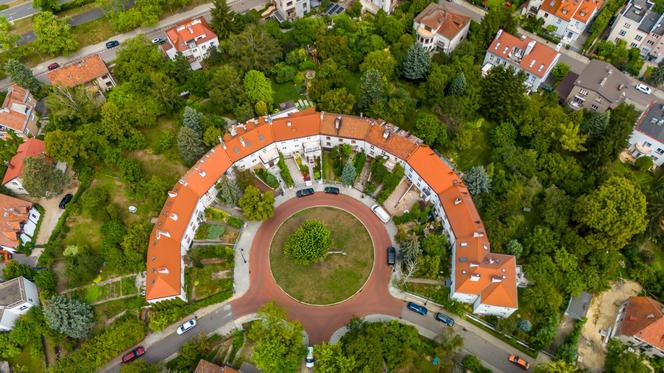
{"x":193,"y":38}
{"x":486,"y":280}
{"x":18,"y":113}
{"x":600,"y":87}
{"x":566,"y":18}
{"x":293,"y":9}
{"x":30,"y":148}
{"x":205,"y":366}
{"x":17,"y":296}
{"x":90,"y":72}
{"x":373,"y":6}
{"x":440,"y":29}
{"x":18,"y":222}
{"x":647,"y":138}
{"x":640,"y":27}
{"x":640,"y":325}
{"x":524,"y":54}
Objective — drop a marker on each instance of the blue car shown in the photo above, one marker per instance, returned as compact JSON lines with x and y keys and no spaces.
{"x":417,"y":308}
{"x":445,"y":319}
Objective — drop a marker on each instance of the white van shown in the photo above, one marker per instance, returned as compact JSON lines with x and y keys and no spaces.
{"x":381,"y":213}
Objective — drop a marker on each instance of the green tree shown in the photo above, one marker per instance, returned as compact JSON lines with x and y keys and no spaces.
{"x":15,"y":269}
{"x":473,"y":364}
{"x":135,"y":60}
{"x":595,"y":125}
{"x":223,"y":19}
{"x":348,"y":173}
{"x":416,"y":64}
{"x":190,"y":145}
{"x":607,"y":147}
{"x":257,"y":206}
{"x":371,"y":91}
{"x":309,"y":243}
{"x":190,"y":354}
{"x":514,"y":247}
{"x":257,"y":87}
{"x":8,"y":39}
{"x":380,"y":60}
{"x":53,"y":34}
{"x":252,"y":49}
{"x":227,"y":88}
{"x":69,"y":316}
{"x":559,"y":72}
{"x":46,"y":5}
{"x":140,"y":366}
{"x":457,"y":86}
{"x":496,"y":18}
{"x":193,"y":119}
{"x":135,"y":243}
{"x":331,"y":359}
{"x":70,"y":108}
{"x":23,"y":76}
{"x":229,"y":191}
{"x":337,"y":101}
{"x":503,"y":95}
{"x":40,"y":178}
{"x":279,"y":342}
{"x":657,"y":76}
{"x":643,"y":163}
{"x":615,"y":212}
{"x":619,"y":359}
{"x":558,"y":366}
{"x":477,"y":180}
{"x":430,"y":129}
{"x":46,"y":280}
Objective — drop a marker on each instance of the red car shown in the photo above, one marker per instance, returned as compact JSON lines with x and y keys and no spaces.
{"x":133,"y":354}
{"x":53,"y":66}
{"x":519,"y":362}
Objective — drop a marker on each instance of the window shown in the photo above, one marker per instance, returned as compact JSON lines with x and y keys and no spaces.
{"x":633,"y":45}
{"x":595,"y":107}
{"x":327,"y":137}
{"x":583,"y":92}
{"x":650,"y":42}
{"x":622,"y":33}
{"x":626,"y":25}
{"x":647,"y":144}
{"x":23,"y":308}
{"x":290,"y":3}
{"x":659,"y":151}
{"x":638,"y":38}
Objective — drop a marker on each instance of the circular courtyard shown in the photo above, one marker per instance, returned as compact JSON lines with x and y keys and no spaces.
{"x":340,"y":273}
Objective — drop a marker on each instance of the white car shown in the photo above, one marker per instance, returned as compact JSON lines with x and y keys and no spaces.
{"x":186,"y":326}
{"x":309,"y":361}
{"x":643,"y":88}
{"x":158,"y":41}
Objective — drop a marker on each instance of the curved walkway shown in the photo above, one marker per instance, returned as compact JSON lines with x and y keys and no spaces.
{"x":319,"y":321}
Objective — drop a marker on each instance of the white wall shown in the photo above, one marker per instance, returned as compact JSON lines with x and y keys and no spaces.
{"x":641,"y":138}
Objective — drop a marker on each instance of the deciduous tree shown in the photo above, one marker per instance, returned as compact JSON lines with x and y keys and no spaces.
{"x":309,"y":243}
{"x":503,"y":94}
{"x":15,"y":269}
{"x":380,"y":60}
{"x":430,"y":129}
{"x":40,"y":177}
{"x":8,"y":39}
{"x":69,"y":108}
{"x":256,"y":205}
{"x":53,"y":34}
{"x":253,"y":49}
{"x":257,"y":87}
{"x":279,"y":342}
{"x":337,"y":101}
{"x":23,"y":76}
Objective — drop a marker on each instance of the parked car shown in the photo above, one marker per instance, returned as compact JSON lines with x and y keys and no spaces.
{"x":53,"y":66}
{"x":445,"y":319}
{"x":158,"y":41}
{"x":643,"y":88}
{"x":65,"y":200}
{"x":186,"y":326}
{"x":332,"y":190}
{"x":381,"y":213}
{"x":417,"y":308}
{"x":133,"y":354}
{"x":516,"y":360}
{"x":309,"y":361}
{"x":391,"y":256}
{"x":112,"y":44}
{"x":305,"y":192}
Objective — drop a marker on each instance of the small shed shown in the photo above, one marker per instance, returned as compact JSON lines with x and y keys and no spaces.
{"x":578,"y":306}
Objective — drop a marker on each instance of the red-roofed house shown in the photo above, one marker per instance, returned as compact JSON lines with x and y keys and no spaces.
{"x":535,"y":59}
{"x":18,"y":112}
{"x":30,"y":148}
{"x":18,"y":220}
{"x":567,"y":18}
{"x":193,"y":38}
{"x":440,"y":29}
{"x":640,"y":325}
{"x":90,"y":72}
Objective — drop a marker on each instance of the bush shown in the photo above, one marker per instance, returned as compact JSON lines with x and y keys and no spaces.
{"x":269,"y":179}
{"x":284,"y":172}
{"x":309,"y":243}
{"x":234,"y":222}
{"x":643,"y":163}
{"x":390,"y":182}
{"x":474,"y":364}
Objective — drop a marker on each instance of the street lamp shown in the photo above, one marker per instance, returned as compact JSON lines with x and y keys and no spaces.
{"x":242,"y":253}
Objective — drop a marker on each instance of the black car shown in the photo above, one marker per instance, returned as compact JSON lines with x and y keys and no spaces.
{"x":417,"y":308}
{"x":391,"y":256}
{"x":332,"y":190}
{"x":112,"y":44}
{"x":305,"y":192}
{"x":65,"y":200}
{"x":445,"y":319}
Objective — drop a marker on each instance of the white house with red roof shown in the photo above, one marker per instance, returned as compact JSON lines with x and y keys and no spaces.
{"x":12,"y":179}
{"x":567,"y":18}
{"x":440,"y":29}
{"x":535,"y":59}
{"x":640,"y":325}
{"x":193,"y":38}
{"x":18,"y":113}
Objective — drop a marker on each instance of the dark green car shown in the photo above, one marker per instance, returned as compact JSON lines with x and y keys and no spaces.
{"x":332,"y":190}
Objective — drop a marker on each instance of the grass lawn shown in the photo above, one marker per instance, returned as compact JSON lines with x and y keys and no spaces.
{"x":328,"y":167}
{"x":284,"y":92}
{"x":105,"y":311}
{"x":29,"y":361}
{"x":204,"y":283}
{"x":338,"y":276}
{"x":479,"y":151}
{"x":83,"y":231}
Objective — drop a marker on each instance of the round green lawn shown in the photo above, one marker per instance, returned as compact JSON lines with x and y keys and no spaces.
{"x":335,"y":278}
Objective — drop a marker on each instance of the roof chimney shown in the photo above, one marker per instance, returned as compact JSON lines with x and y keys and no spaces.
{"x":337,"y":123}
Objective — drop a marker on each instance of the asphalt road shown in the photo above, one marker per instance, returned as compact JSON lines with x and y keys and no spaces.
{"x":18,"y":12}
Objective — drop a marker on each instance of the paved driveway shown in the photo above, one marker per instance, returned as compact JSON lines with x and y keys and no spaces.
{"x":52,"y":213}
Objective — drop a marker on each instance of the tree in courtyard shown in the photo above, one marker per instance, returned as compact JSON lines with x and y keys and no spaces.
{"x":430,"y":129}
{"x":348,"y":173}
{"x":223,"y":19}
{"x":477,"y":180}
{"x":257,"y":87}
{"x":309,"y":243}
{"x":337,"y":100}
{"x":40,"y":177}
{"x":69,"y":316}
{"x":229,"y":192}
{"x":503,"y":94}
{"x":615,"y":212}
{"x":8,"y":39}
{"x":23,"y":76}
{"x":416,"y":64}
{"x":190,"y":145}
{"x":372,"y":91}
{"x":457,"y":86}
{"x":279,"y":342}
{"x":15,"y":269}
{"x":559,"y":72}
{"x":256,"y":205}
{"x":53,"y":34}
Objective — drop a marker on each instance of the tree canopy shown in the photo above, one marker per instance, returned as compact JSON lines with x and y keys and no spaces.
{"x":69,"y":316}
{"x":309,"y":243}
{"x":279,"y":341}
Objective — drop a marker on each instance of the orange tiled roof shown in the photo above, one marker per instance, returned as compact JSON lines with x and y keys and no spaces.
{"x":30,"y":148}
{"x":194,"y":30}
{"x":205,"y":366}
{"x":580,"y":10}
{"x":349,"y":126}
{"x":536,"y":62}
{"x":432,"y":169}
{"x":13,"y":212}
{"x":249,"y":138}
{"x":79,"y":72}
{"x":205,"y":173}
{"x":296,"y":126}
{"x":384,"y":137}
{"x":16,"y":108}
{"x":461,"y":211}
{"x":440,"y":20}
{"x":644,"y":318}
